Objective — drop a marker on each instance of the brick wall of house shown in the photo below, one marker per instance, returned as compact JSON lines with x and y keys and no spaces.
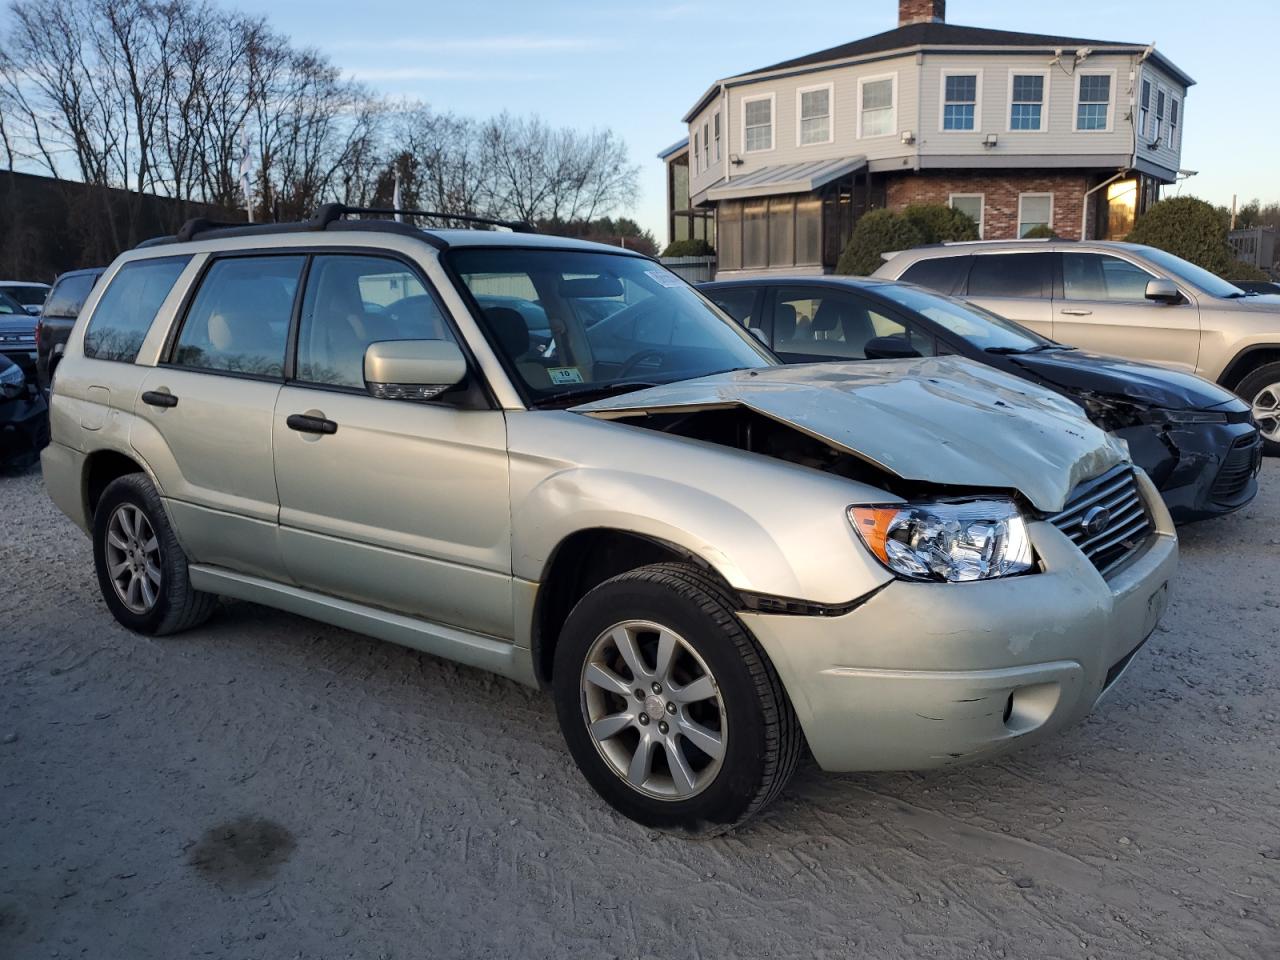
{"x":921,"y":11}
{"x":1001,"y":189}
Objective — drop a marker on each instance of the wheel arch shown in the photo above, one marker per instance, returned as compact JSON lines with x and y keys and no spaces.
{"x":1246,"y":361}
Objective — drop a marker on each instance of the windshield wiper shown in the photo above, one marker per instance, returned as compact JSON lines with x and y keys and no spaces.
{"x":1016,"y":351}
{"x":593,"y":393}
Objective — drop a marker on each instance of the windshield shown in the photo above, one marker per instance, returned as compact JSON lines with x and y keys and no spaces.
{"x":569,"y":322}
{"x":1210,"y":283}
{"x":27,"y":295}
{"x":981,"y":328}
{"x":9,"y":305}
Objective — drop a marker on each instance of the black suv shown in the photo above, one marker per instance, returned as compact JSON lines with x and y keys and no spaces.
{"x":58,"y":317}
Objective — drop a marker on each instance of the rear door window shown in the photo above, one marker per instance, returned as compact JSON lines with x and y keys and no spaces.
{"x":818,"y":322}
{"x":944,"y":274}
{"x":737,"y":302}
{"x":1027,"y":275}
{"x":129,"y":306}
{"x":239,"y":320}
{"x":68,"y":296}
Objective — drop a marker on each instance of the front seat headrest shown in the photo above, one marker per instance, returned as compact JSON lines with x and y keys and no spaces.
{"x":510,"y":330}
{"x":784,"y":323}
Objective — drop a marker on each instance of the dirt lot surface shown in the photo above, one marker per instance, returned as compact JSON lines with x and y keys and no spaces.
{"x":268,"y":787}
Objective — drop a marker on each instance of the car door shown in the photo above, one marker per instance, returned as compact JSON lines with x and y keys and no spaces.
{"x":1017,"y":286}
{"x":404,"y":505}
{"x":811,"y":323}
{"x":1104,"y":308}
{"x":205,"y":412}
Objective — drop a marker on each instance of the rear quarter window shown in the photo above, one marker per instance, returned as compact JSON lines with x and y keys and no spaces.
{"x":944,"y":274}
{"x":128,"y":307}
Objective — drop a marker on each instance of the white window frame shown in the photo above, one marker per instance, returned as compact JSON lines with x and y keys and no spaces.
{"x":715,"y":127}
{"x":1044,"y":100}
{"x":1111,"y":103}
{"x":1175,"y":120}
{"x":831,"y":113}
{"x":697,"y":159}
{"x":1038,"y":196}
{"x":942,"y":101}
{"x":1158,"y":134}
{"x":1144,"y":111}
{"x":773,"y":121}
{"x":893,"y":92}
{"x":982,"y":208}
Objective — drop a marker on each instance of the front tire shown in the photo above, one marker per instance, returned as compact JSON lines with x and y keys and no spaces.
{"x":1261,"y":390}
{"x":142,"y":571}
{"x":670,"y":708}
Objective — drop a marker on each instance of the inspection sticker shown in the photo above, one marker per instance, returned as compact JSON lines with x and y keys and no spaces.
{"x":562,"y":375}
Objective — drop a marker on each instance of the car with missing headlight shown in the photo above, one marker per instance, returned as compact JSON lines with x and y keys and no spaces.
{"x":710,"y":558}
{"x":1193,"y":438}
{"x":1119,"y":299}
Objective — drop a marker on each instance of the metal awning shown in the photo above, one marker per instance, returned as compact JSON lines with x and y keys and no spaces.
{"x":787,"y":178}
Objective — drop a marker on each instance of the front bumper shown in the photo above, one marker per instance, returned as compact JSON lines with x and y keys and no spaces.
{"x":1203,"y":469}
{"x":925,"y":675}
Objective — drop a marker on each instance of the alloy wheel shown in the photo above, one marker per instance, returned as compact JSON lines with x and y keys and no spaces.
{"x":1266,"y":411}
{"x":653,"y":710}
{"x":133,"y":558}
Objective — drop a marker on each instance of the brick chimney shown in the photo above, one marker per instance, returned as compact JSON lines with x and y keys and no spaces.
{"x":921,"y":11}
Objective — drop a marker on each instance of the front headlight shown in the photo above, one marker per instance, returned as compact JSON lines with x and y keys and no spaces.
{"x":949,"y":541}
{"x":11,"y":381}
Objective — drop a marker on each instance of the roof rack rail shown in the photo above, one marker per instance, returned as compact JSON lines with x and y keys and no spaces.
{"x":335,"y":211}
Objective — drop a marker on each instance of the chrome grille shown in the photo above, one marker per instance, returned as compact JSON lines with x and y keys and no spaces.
{"x":1106,"y":518}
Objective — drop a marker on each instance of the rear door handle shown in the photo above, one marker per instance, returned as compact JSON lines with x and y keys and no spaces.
{"x":159,"y":398}
{"x":305,"y":424}
{"x":1077,"y":313}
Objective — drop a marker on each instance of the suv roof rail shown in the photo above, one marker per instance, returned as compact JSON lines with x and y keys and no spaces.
{"x":327,"y":216}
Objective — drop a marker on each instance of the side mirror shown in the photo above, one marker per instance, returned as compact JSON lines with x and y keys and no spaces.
{"x":1162,"y":290}
{"x":412,"y":369}
{"x":889,"y":348}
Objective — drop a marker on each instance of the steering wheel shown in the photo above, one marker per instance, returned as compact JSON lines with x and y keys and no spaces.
{"x":633,"y":361}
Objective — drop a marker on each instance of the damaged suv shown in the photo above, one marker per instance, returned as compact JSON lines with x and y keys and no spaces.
{"x":710,"y":558}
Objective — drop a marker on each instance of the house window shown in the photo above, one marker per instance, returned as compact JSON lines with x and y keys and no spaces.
{"x":715,"y":127}
{"x":1144,"y":111}
{"x":1159,"y":131}
{"x":814,"y":113}
{"x":972,"y":204}
{"x":959,"y":101}
{"x":757,"y":124}
{"x":1093,"y":106}
{"x":1026,"y":107}
{"x":877,"y":116}
{"x":706,"y":145}
{"x":1173,"y":122}
{"x":1034,"y":210}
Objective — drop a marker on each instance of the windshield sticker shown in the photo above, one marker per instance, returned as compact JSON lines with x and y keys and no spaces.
{"x":563,"y":375}
{"x":664,"y":278}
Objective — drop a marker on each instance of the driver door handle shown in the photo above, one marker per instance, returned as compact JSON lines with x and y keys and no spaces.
{"x":159,"y":398}
{"x":1077,"y":313}
{"x":305,"y":424}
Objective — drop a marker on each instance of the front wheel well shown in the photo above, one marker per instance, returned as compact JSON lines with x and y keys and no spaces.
{"x":582,"y":562}
{"x":1248,"y":361}
{"x":100,"y":469}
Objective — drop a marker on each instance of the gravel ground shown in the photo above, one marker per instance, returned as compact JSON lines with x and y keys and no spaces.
{"x":269,"y":787}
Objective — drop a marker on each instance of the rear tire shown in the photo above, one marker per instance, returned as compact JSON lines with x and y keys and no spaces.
{"x":142,"y":571}
{"x":718,"y":691}
{"x":1260,"y":389}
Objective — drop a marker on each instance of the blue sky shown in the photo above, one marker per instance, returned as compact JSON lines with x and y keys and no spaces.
{"x":637,"y":67}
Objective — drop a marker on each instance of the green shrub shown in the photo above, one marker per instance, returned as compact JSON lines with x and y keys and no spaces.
{"x":1238,"y":270}
{"x":876,"y":233}
{"x":1042,"y":232}
{"x":939,"y":223}
{"x":1187,"y":228}
{"x":688,"y":248}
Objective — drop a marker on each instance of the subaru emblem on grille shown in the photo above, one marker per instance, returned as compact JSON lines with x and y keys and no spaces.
{"x":1095,"y":521}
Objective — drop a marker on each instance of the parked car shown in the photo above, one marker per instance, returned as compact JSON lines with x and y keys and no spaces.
{"x":30,"y":294}
{"x":18,"y":336}
{"x":1192,"y":437}
{"x":57,"y":318}
{"x":711,"y":558}
{"x":1121,"y":299}
{"x":1259,"y":287}
{"x":24,"y":421}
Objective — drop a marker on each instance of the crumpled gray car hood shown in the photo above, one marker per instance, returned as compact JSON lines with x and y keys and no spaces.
{"x":944,"y":420}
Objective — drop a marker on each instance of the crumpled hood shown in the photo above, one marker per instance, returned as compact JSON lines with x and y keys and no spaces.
{"x":1143,"y":383}
{"x":945,"y":420}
